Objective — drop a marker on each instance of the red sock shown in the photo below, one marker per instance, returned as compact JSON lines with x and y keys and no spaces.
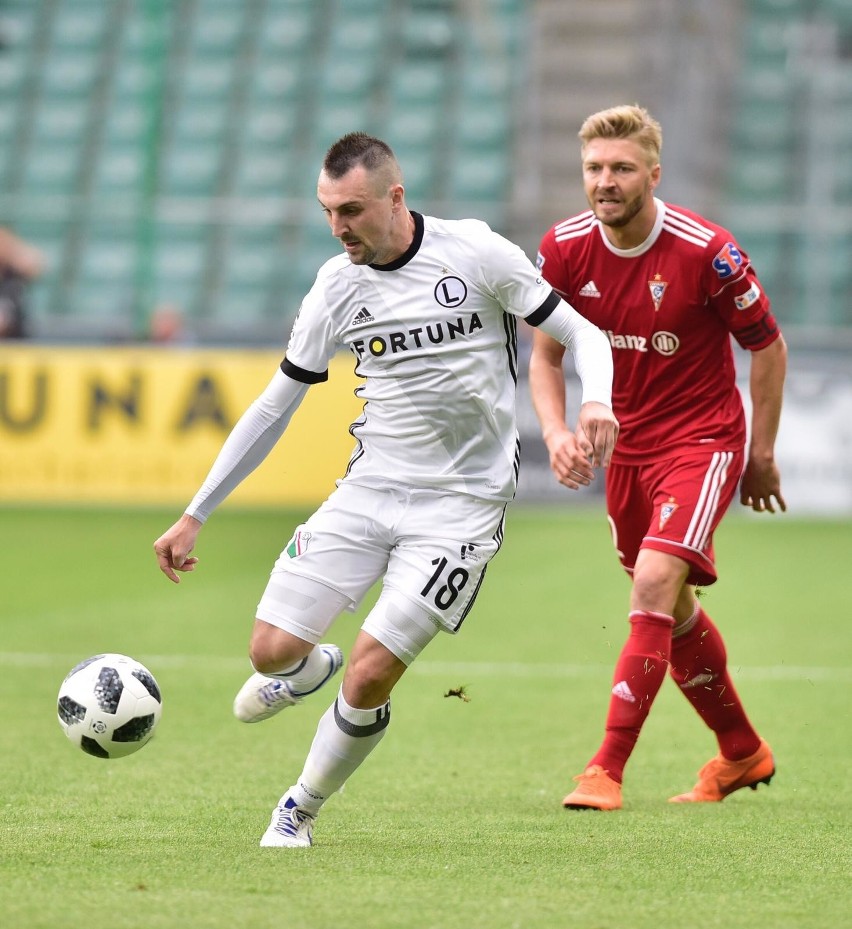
{"x":639,"y":672}
{"x":700,"y":669}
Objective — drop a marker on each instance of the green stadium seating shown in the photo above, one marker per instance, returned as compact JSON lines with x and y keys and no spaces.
{"x":779,"y":9}
{"x":128,"y":126}
{"x":776,"y":118}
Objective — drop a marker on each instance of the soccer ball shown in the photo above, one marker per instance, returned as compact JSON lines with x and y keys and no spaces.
{"x":109,"y":705}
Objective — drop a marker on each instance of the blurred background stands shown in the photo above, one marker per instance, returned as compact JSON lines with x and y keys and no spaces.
{"x":168,"y":152}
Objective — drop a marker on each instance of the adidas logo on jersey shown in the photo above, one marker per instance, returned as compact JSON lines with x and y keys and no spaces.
{"x":362,"y":316}
{"x":589,"y":290}
{"x":623,"y":692}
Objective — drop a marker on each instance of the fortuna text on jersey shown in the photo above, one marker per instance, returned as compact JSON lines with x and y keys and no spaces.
{"x":435,"y":333}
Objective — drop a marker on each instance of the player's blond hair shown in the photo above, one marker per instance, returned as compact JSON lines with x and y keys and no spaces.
{"x":625,"y":122}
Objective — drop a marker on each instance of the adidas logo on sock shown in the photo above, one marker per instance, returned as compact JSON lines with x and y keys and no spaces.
{"x":623,"y":692}
{"x":589,"y":290}
{"x":362,"y":316}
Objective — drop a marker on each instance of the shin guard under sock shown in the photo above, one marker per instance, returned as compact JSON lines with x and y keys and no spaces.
{"x":699,"y":666}
{"x":345,"y":737}
{"x":639,"y":673}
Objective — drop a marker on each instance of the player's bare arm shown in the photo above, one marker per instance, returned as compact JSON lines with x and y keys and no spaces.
{"x":570,"y":458}
{"x":761,"y":484}
{"x":174,"y":546}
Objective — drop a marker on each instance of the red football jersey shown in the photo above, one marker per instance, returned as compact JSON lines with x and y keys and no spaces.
{"x":669,"y":307}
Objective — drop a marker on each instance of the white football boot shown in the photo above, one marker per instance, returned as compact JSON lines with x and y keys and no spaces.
{"x":261,"y":696}
{"x":291,"y":826}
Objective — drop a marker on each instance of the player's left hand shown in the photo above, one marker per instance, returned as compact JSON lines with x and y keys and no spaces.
{"x":597,"y":430}
{"x":761,"y":482}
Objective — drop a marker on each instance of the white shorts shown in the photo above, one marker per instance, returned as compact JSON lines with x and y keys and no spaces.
{"x":430,"y":547}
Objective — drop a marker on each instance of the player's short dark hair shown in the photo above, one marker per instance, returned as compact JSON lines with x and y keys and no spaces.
{"x":358,"y":148}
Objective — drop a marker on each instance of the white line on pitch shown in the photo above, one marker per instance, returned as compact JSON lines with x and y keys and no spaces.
{"x":424,"y":667}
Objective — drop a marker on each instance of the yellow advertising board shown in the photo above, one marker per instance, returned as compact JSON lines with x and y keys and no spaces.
{"x":142,"y":425}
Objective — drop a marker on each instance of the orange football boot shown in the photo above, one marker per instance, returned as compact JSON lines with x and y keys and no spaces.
{"x":595,"y":790}
{"x":720,"y":776}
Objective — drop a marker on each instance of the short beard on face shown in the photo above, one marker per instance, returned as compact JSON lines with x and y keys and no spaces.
{"x":631,"y":210}
{"x":365,"y":257}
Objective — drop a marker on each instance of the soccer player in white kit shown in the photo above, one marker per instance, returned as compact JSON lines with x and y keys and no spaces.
{"x":429,"y":308}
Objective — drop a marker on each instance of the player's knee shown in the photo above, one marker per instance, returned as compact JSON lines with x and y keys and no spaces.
{"x":272,"y":649}
{"x":657,"y":584}
{"x":652,"y":596}
{"x":382,"y":652}
{"x":364,"y":687}
{"x":370,"y":678}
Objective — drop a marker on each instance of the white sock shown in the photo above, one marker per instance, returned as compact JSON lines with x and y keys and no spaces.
{"x":344,"y":738}
{"x":307,"y":675}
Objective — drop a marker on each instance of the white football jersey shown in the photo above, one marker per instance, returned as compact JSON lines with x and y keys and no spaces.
{"x":434,"y":335}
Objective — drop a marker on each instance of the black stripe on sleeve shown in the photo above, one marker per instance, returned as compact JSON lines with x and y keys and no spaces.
{"x":537,"y":317}
{"x":759,"y":334}
{"x":301,"y":375}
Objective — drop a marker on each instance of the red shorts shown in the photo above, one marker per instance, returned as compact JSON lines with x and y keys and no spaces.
{"x":672,"y":506}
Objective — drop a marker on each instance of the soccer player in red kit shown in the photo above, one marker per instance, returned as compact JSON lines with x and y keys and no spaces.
{"x":669,"y":288}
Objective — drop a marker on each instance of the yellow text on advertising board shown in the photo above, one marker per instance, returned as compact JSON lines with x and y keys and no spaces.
{"x":139,"y":425}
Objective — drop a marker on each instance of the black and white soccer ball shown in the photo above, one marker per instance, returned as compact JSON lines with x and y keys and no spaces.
{"x":109,"y":705}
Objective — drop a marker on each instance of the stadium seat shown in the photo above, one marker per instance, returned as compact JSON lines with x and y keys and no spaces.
{"x":217,"y":29}
{"x":839,"y":11}
{"x":769,"y":41}
{"x":238,"y":306}
{"x":59,"y":122}
{"x":81,"y":24}
{"x":767,"y":253}
{"x":69,"y":75}
{"x":17,"y":23}
{"x":418,"y":81}
{"x":14,"y":64}
{"x":287,"y":31}
{"x":418,"y":171}
{"x":253,"y":255}
{"x":484,"y":124}
{"x":333,"y":121}
{"x":762,"y":176}
{"x":779,"y":9}
{"x":191,"y":170}
{"x":262,"y":172}
{"x":765,"y":124}
{"x":428,"y":33}
{"x":206,"y":79}
{"x":201,"y":121}
{"x":178,"y":263}
{"x":52,"y":170}
{"x":104,"y":283}
{"x":479,"y":174}
{"x":347,"y":81}
{"x":255,"y":93}
{"x":120,"y":170}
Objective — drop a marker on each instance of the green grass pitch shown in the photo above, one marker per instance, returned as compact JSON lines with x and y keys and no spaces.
{"x":455,"y":821}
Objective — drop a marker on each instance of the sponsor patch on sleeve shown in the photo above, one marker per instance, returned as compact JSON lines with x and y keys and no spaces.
{"x":728,"y":261}
{"x":751,"y":296}
{"x":539,"y":261}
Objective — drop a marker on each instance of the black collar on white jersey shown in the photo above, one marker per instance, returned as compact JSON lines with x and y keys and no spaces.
{"x":410,"y":252}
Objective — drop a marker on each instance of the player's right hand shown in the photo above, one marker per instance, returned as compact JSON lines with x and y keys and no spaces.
{"x":174,"y":546}
{"x":569,"y":460}
{"x":597,"y":432}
